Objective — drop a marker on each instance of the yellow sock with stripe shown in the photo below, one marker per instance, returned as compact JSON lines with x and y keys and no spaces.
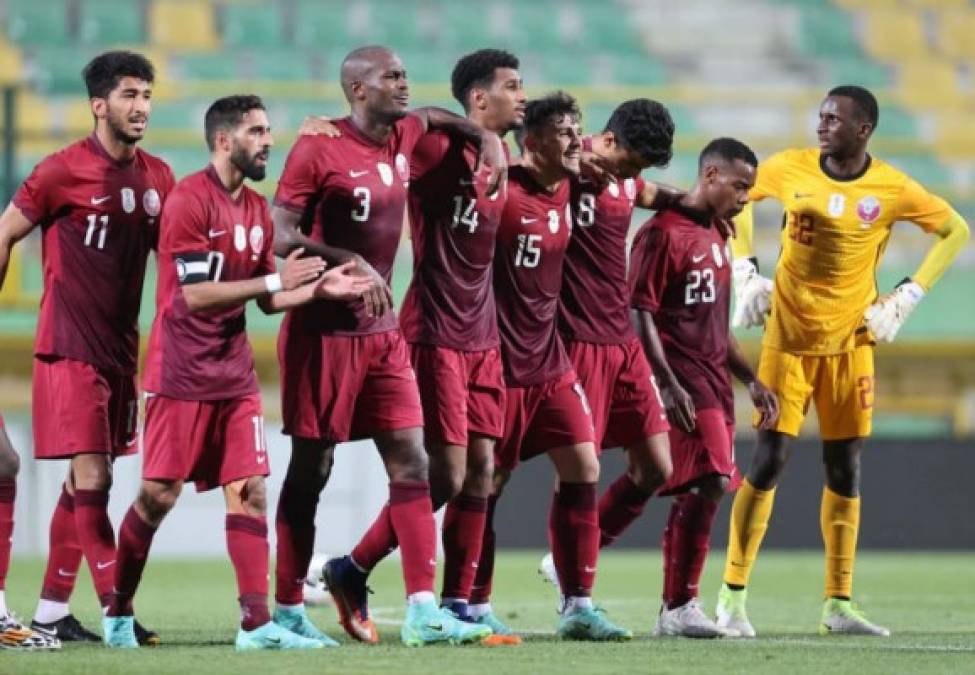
{"x":750,"y":514}
{"x":839,"y":518}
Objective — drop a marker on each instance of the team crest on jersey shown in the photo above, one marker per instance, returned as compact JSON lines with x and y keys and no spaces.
{"x":385,"y":173}
{"x":240,"y":237}
{"x":614,"y":189}
{"x":128,"y":200}
{"x":402,"y":167}
{"x":180,"y":270}
{"x":836,"y":205}
{"x":257,"y":239}
{"x":151,"y":202}
{"x":629,"y":187}
{"x":868,"y":209}
{"x":716,"y":252}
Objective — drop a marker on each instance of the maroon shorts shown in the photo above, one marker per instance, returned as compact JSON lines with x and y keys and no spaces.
{"x":343,"y":388}
{"x":462,"y":392}
{"x":542,"y":417}
{"x":79,"y":408}
{"x":212,"y":443}
{"x":626,"y":405}
{"x":710,"y":448}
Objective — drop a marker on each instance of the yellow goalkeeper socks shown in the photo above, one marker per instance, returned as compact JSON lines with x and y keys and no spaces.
{"x":839,"y":518}
{"x":749,"y":520}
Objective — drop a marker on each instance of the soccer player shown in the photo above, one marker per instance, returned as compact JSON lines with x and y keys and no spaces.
{"x":97,"y":203}
{"x":449,"y":319}
{"x":840,"y":203}
{"x":546,"y":408}
{"x":13,"y":634}
{"x":594,"y":317}
{"x":203,"y":407}
{"x":681,"y":277}
{"x":345,"y":367}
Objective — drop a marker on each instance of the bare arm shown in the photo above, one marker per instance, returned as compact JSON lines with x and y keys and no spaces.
{"x":338,"y":283}
{"x":762,"y":397}
{"x":207,"y":296}
{"x":288,"y":237}
{"x":491,"y":151}
{"x":14,"y":226}
{"x":658,"y":196}
{"x":680,"y":407}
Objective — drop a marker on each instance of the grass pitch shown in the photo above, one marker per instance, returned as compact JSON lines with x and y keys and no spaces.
{"x":926,"y":599}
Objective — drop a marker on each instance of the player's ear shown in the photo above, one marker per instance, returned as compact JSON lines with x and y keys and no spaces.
{"x":608,"y":140}
{"x":99,"y":107}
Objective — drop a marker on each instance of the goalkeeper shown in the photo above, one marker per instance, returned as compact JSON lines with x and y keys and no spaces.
{"x":824,"y":316}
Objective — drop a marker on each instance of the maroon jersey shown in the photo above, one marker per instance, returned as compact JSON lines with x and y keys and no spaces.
{"x":99,"y":219}
{"x":453,"y":223}
{"x":680,"y":271}
{"x":594,"y":303}
{"x":532,"y":238}
{"x":206,"y":236}
{"x":351,"y":191}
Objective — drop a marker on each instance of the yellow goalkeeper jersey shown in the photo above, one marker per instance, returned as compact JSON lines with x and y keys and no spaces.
{"x":834,"y":234}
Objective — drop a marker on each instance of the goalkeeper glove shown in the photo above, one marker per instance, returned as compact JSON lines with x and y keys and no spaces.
{"x":886,"y":316}
{"x":753,"y":294}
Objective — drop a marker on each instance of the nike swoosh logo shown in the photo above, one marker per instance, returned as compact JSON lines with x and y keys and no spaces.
{"x":62,"y":573}
{"x":98,"y":200}
{"x":356,"y":174}
{"x":274,"y":641}
{"x":589,"y":570}
{"x":215,"y":233}
{"x":432,"y":562}
{"x":102,"y":566}
{"x":525,"y":221}
{"x":260,"y":460}
{"x":802,"y":195}
{"x":698,"y":258}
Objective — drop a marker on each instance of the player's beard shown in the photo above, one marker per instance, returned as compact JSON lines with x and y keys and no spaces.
{"x":247,"y":164}
{"x":116,"y":126}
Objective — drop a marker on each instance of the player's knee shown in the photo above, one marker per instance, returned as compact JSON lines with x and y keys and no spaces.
{"x":713,"y":487}
{"x":480,"y":470}
{"x":253,"y":495}
{"x":651,"y":474}
{"x":158,"y":500}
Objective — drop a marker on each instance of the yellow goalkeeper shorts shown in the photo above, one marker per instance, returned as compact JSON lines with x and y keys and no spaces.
{"x":841,"y":385}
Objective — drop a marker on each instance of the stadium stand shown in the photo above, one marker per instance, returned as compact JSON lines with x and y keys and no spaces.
{"x":917,"y":55}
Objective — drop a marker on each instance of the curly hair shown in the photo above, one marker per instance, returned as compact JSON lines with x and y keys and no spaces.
{"x":102,"y":74}
{"x":864,"y":100}
{"x":541,"y":111}
{"x":728,"y":149}
{"x":477,"y":70}
{"x":645,"y":127}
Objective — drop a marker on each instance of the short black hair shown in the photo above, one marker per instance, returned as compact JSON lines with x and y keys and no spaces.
{"x":728,"y":149}
{"x":226,"y":113}
{"x":645,"y":127}
{"x":477,"y":70}
{"x":102,"y":74}
{"x":865,"y":101}
{"x":540,"y":111}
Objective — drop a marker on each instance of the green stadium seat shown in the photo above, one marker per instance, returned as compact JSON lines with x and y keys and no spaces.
{"x":403,"y":25}
{"x":639,"y":70}
{"x":925,"y":169}
{"x":106,"y":22}
{"x":179,"y":115}
{"x":319,"y":24}
{"x":828,"y":32}
{"x":895,"y":122}
{"x":250,"y":26}
{"x":603,"y":31}
{"x":856,"y":70}
{"x":58,"y":69}
{"x":283,"y":65}
{"x":215,"y":66}
{"x":36,"y":22}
